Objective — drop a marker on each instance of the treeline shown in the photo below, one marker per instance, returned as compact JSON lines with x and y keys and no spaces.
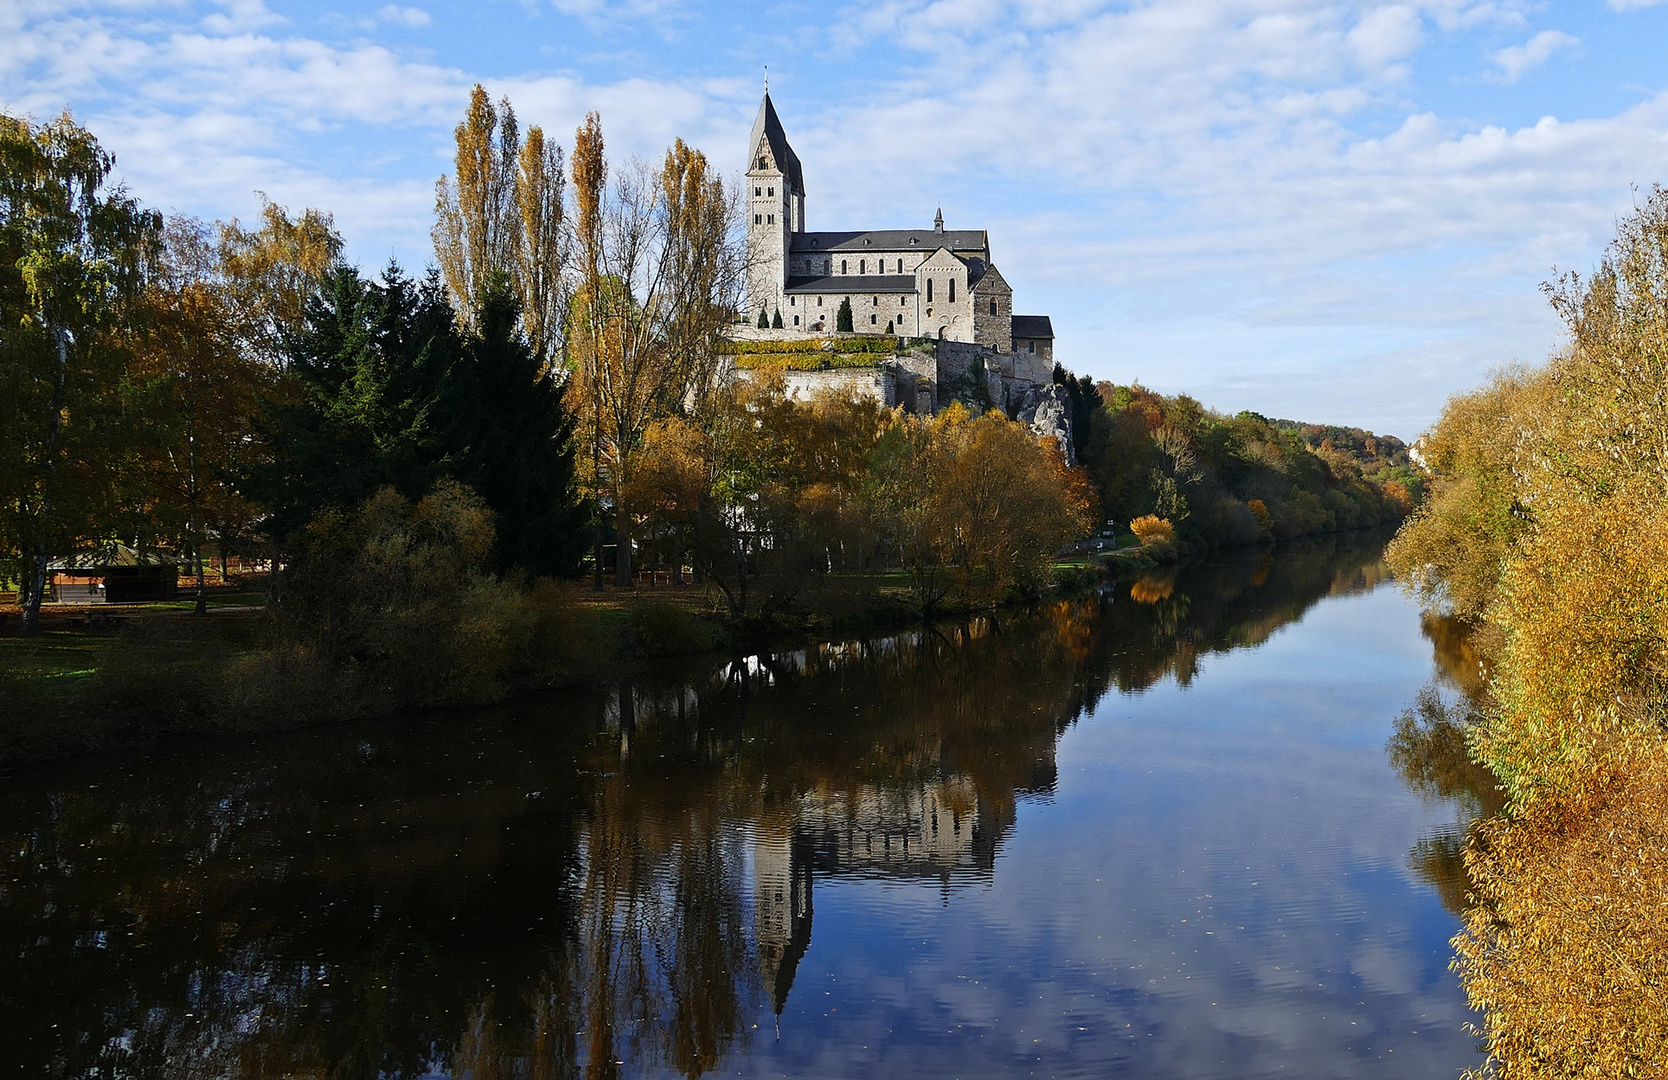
{"x":555,"y":386}
{"x":1547,"y":532}
{"x":1229,"y":480}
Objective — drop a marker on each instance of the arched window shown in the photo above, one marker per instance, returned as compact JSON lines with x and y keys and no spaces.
{"x":862,"y":266}
{"x":842,"y":267}
{"x":828,"y":266}
{"x":796,"y":320}
{"x":929,"y":290}
{"x":952,"y":290}
{"x":993,"y":305}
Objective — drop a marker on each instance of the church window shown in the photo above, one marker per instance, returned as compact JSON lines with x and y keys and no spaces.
{"x":993,"y":305}
{"x":793,"y":301}
{"x":761,"y":163}
{"x":862,"y":266}
{"x":873,"y":319}
{"x":952,"y":290}
{"x":770,"y":219}
{"x":773,"y":193}
{"x":757,"y":219}
{"x":796,"y":320}
{"x":1030,"y":346}
{"x":929,"y":290}
{"x":842,"y":266}
{"x":819,"y":301}
{"x":757,"y":191}
{"x":828,"y":266}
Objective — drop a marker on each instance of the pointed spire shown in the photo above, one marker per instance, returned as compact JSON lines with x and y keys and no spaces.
{"x":938,"y":222}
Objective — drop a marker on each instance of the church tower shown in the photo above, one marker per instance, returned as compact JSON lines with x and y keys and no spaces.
{"x":775,"y":211}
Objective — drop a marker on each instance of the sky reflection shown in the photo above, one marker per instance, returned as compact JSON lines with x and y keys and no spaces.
{"x":1157,"y":837}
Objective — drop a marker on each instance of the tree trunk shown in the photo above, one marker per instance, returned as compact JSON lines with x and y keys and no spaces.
{"x":596,"y":548}
{"x":202,"y":598}
{"x":622,"y":550}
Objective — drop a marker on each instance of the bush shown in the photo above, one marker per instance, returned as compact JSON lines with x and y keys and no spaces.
{"x":1157,"y":536}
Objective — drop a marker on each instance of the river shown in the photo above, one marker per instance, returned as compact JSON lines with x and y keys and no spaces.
{"x":1158,"y":834}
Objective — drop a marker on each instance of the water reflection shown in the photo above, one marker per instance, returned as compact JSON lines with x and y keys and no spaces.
{"x":1429,"y":749}
{"x":618,"y":883}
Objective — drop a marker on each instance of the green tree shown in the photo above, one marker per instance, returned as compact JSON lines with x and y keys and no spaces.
{"x":842,"y":318}
{"x":776,"y":320}
{"x":71,"y":258}
{"x":764,"y":319}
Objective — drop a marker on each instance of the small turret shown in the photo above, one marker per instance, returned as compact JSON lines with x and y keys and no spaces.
{"x":938,"y":222}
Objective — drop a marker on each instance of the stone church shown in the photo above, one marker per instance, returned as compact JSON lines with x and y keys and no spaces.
{"x":934,"y":283}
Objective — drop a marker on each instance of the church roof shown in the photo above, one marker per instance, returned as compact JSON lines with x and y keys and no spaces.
{"x":854,"y":283}
{"x":892,"y":240}
{"x":1033,"y":326}
{"x":769,"y":126}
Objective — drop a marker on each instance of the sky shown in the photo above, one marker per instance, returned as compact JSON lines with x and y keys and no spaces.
{"x":1328,"y":211}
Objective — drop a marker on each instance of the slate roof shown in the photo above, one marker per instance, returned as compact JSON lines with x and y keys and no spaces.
{"x":854,"y":284}
{"x":769,"y":126}
{"x":1033,"y":326}
{"x":956,"y":240}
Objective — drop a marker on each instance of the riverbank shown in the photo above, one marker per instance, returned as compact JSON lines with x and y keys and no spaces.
{"x":105,"y":676}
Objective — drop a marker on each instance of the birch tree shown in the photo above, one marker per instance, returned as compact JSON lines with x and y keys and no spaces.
{"x":70,"y":257}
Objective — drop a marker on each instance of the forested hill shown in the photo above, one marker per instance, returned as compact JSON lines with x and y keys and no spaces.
{"x":1368,"y":450}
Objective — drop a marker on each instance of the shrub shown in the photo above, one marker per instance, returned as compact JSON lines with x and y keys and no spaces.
{"x":1157,"y":536}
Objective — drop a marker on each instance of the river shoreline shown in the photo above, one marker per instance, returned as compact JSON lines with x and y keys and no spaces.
{"x":119,"y":678}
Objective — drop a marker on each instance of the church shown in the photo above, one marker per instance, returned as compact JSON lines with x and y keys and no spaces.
{"x":922,"y":283}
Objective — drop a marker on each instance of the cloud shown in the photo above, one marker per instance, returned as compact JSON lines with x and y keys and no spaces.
{"x":403,"y":16}
{"x":1631,"y":5}
{"x":1385,"y":35}
{"x":1512,"y":62}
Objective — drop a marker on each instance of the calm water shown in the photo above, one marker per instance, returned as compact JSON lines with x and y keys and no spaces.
{"x":1157,"y":836}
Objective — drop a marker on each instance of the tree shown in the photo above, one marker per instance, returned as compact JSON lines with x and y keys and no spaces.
{"x":776,"y":320}
{"x":660,"y":273}
{"x":200,"y":381}
{"x":267,"y":275}
{"x":70,"y":261}
{"x":505,"y":216}
{"x":510,"y":438}
{"x":842,"y":318}
{"x":764,"y":319}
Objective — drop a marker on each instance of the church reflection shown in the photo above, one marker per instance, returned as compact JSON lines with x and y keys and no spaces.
{"x":622,"y":884}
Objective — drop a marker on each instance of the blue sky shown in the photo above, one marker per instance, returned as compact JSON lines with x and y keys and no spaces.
{"x":1317,"y":210}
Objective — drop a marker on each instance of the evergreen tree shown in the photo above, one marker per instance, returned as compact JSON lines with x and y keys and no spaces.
{"x":842,"y":319}
{"x":369,"y":367}
{"x":764,"y":319}
{"x":776,"y":322}
{"x":889,"y":325}
{"x":512,"y":441}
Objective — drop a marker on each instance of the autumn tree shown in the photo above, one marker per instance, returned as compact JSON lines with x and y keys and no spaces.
{"x":71,"y":256}
{"x":268,"y":274}
{"x":659,"y":276}
{"x":504,"y":214}
{"x":200,"y":382}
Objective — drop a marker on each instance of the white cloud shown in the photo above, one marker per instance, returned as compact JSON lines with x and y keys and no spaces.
{"x":1632,"y":5}
{"x":403,"y":16}
{"x":1512,"y":62}
{"x":1385,"y":35}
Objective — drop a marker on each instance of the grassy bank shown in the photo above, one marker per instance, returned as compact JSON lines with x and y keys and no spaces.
{"x":109,"y":676}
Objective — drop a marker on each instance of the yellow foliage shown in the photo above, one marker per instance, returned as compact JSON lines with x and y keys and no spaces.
{"x":1153,"y":530}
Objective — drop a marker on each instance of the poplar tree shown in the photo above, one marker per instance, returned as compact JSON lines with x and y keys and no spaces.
{"x":505,"y":216}
{"x":660,"y":275}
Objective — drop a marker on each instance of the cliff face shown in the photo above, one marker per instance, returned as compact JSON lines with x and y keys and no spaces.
{"x":1047,"y":411}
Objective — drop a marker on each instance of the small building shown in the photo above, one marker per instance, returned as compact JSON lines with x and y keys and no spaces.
{"x":113,"y":574}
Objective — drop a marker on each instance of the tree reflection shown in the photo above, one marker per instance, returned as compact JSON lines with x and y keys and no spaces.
{"x":1429,"y":748}
{"x":618,"y":883}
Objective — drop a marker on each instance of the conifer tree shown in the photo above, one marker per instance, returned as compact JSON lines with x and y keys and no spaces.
{"x":842,"y":318}
{"x":776,"y":320}
{"x":764,"y":319}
